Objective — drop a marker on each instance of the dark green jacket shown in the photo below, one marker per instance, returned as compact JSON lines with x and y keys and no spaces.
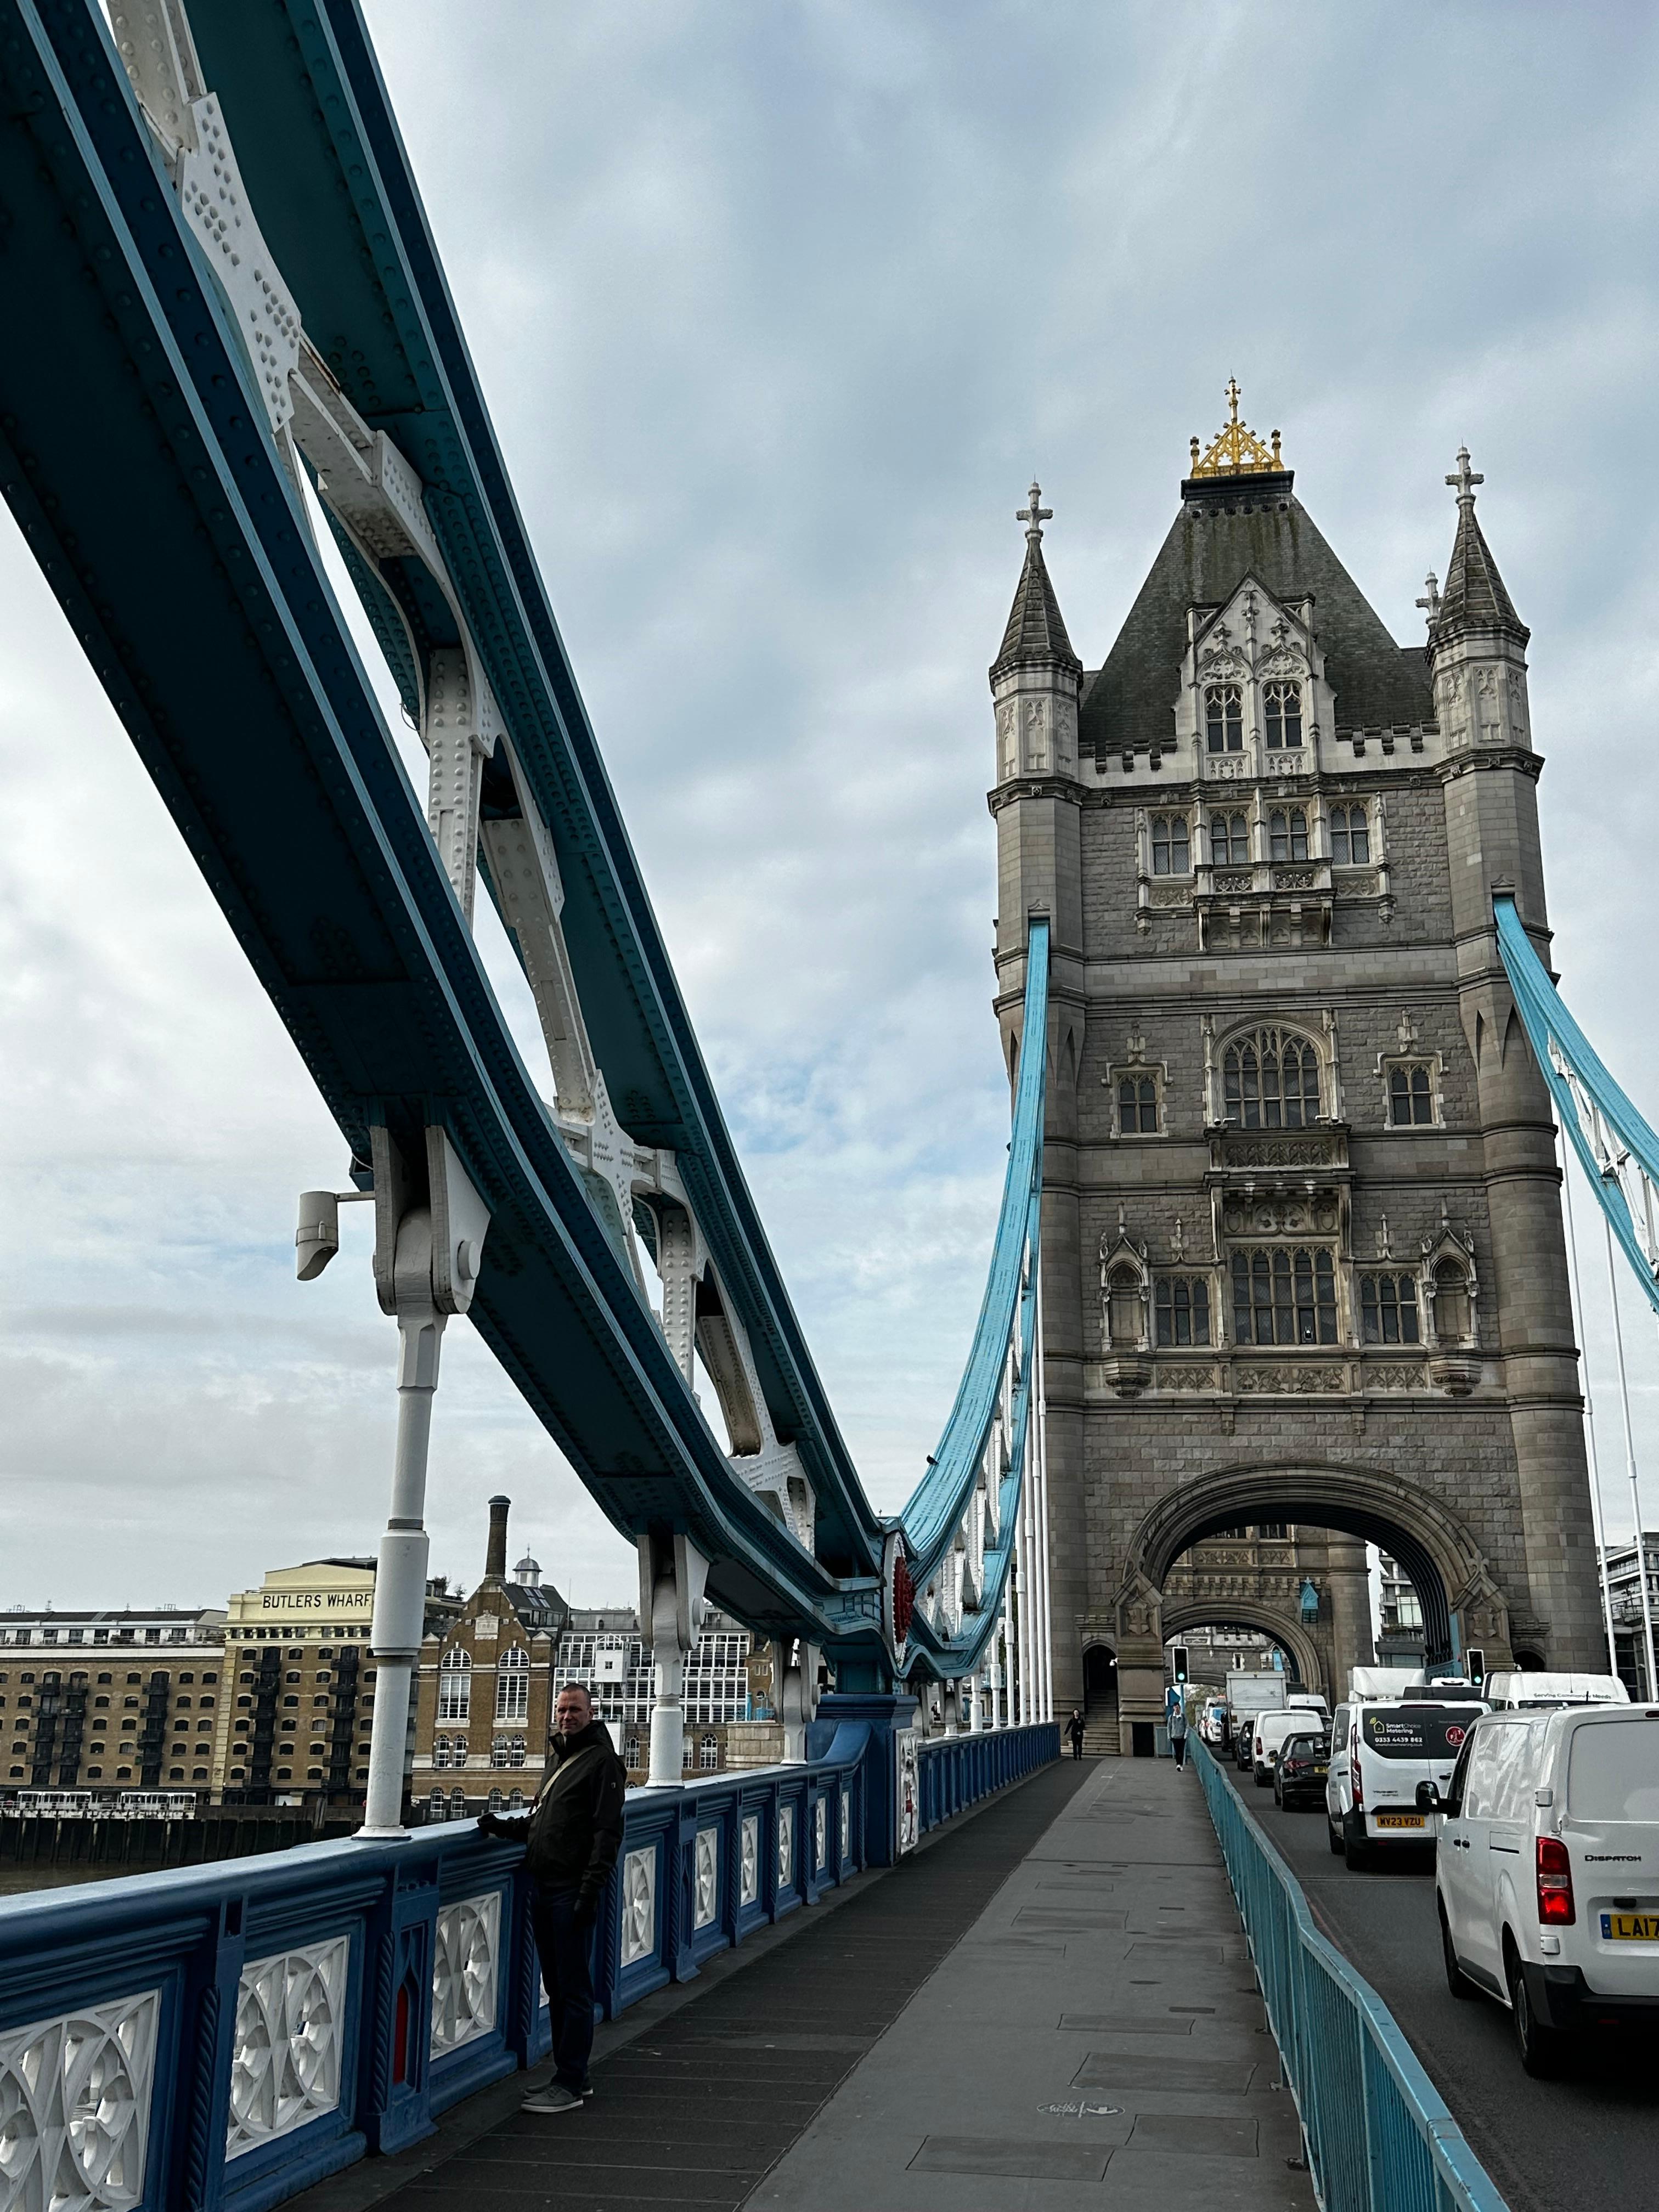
{"x":573,"y":1831}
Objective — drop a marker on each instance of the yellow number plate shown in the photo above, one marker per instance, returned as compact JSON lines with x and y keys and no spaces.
{"x":1631,"y":1927}
{"x":1399,"y":1819}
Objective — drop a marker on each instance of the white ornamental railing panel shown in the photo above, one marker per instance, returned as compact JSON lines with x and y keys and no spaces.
{"x":465,"y":1972}
{"x":639,"y":1905}
{"x":709,"y":1877}
{"x":285,"y":2064}
{"x":75,"y":2097}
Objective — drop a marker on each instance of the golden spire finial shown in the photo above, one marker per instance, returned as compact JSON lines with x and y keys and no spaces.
{"x":1236,"y":451}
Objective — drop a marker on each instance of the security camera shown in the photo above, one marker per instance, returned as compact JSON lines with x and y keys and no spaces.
{"x":317,"y":1237}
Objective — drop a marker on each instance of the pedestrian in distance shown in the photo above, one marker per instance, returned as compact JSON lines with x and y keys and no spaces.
{"x":1178,"y":1733}
{"x":1074,"y":1729}
{"x":571,"y":1836}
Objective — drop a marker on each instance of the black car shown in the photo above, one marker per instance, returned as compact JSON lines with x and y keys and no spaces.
{"x":1300,"y":1769}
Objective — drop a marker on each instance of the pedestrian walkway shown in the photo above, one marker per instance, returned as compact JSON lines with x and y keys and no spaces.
{"x":1048,"y":2006}
{"x":1095,"y":2038}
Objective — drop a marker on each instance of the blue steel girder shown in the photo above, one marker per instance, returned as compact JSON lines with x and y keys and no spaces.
{"x":138,"y":463}
{"x":329,"y":182}
{"x":1619,"y":1149}
{"x":995,"y":1400}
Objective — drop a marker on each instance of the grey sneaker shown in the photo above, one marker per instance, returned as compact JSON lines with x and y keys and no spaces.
{"x":556,"y":2098}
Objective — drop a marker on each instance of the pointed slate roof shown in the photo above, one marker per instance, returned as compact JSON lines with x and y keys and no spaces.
{"x":1036,"y":630}
{"x":1227,"y":530}
{"x":1474,"y":598}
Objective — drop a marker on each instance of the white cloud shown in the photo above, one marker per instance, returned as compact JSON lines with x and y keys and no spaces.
{"x":778,"y":308}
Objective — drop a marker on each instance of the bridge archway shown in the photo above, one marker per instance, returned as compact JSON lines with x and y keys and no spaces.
{"x":1301,"y":1654}
{"x":1461,"y":1601}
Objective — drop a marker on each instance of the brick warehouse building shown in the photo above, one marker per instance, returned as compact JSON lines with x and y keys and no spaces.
{"x":1303,"y":1256}
{"x":487,"y":1684}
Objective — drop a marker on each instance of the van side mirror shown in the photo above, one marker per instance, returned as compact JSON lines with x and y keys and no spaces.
{"x":1428,"y":1798}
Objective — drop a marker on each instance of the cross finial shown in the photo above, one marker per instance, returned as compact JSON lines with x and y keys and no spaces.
{"x":1035,"y":514}
{"x":1233,"y":396}
{"x":1466,"y":479}
{"x":1430,"y":602}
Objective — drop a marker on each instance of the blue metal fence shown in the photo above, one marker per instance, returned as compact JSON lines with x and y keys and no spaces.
{"x":223,"y":2035}
{"x":1379,"y":2136}
{"x":955,"y":1771}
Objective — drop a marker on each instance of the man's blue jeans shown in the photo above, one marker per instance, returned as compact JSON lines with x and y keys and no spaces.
{"x":566,"y":1952}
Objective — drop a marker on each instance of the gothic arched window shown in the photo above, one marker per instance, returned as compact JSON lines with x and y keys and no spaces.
{"x":1287,"y":833}
{"x":1350,"y":837}
{"x":512,"y":1684}
{"x":1281,"y":706}
{"x":1270,"y":1080}
{"x":1410,"y":1097}
{"x":1229,"y":841}
{"x":1137,"y":1106}
{"x":455,"y":1685}
{"x":1223,"y":718}
{"x":708,"y":1752}
{"x":1123,"y":1309}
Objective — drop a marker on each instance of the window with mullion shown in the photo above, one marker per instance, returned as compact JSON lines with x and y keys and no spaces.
{"x":1350,"y":837}
{"x":1229,"y":841}
{"x":1183,"y":1309}
{"x":1137,"y":1106}
{"x":1388,"y":1309}
{"x":1411,"y":1097}
{"x":1287,"y":833}
{"x":1171,"y":845}
{"x":1223,"y":718}
{"x":1270,"y":1081}
{"x":1285,"y":1294}
{"x":1281,"y":706}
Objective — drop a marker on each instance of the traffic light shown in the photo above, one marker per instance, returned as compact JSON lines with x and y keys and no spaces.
{"x":1474,"y":1665}
{"x":1179,"y":1655}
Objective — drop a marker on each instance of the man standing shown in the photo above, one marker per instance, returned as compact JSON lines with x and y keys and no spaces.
{"x":571,"y":1835}
{"x":1074,"y":1729}
{"x":1178,"y":1730}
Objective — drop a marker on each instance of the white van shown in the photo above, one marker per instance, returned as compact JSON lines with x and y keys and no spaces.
{"x":1274,"y":1729}
{"x":1507,"y":1692}
{"x":1547,"y":1880}
{"x":1380,"y":1749}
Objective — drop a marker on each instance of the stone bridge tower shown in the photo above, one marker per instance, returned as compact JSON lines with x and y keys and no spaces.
{"x":1303,"y":1256}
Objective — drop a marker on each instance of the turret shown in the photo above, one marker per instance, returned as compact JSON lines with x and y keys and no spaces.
{"x":1037,"y":678}
{"x":1477,"y":652}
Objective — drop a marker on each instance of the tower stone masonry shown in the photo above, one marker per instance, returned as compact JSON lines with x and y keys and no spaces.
{"x":1303,"y":1262}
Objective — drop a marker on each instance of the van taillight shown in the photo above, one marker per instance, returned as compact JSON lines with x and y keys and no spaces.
{"x":1554,"y":1883}
{"x":1358,"y":1786}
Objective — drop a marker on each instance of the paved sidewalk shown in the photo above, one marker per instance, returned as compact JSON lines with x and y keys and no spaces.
{"x":1096,"y":2039}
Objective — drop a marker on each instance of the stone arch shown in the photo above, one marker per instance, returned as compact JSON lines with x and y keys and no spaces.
{"x":1292,"y":1639}
{"x":1447,"y":1566}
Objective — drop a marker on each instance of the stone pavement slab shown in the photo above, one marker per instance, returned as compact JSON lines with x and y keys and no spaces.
{"x":1096,"y":2039}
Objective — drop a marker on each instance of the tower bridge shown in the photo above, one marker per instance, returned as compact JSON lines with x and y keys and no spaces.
{"x":1303,"y":1254}
{"x":1280,"y":1246}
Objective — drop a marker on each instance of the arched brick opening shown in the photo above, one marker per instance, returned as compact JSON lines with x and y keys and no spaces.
{"x":1447,"y":1567}
{"x":1268,"y":1620}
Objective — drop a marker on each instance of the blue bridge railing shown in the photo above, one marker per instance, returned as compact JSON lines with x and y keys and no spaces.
{"x":955,"y":1771}
{"x":1379,"y":2136}
{"x":224,"y":2036}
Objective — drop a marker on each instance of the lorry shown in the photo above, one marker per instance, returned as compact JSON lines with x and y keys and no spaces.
{"x":1249,"y":1694}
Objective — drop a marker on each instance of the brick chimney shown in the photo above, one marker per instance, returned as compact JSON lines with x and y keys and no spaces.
{"x":495,"y":1557}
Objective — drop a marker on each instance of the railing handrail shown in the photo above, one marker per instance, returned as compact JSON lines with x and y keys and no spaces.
{"x":1469,"y":2187}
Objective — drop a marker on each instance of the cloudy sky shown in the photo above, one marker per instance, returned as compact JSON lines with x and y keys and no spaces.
{"x":778,"y":307}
